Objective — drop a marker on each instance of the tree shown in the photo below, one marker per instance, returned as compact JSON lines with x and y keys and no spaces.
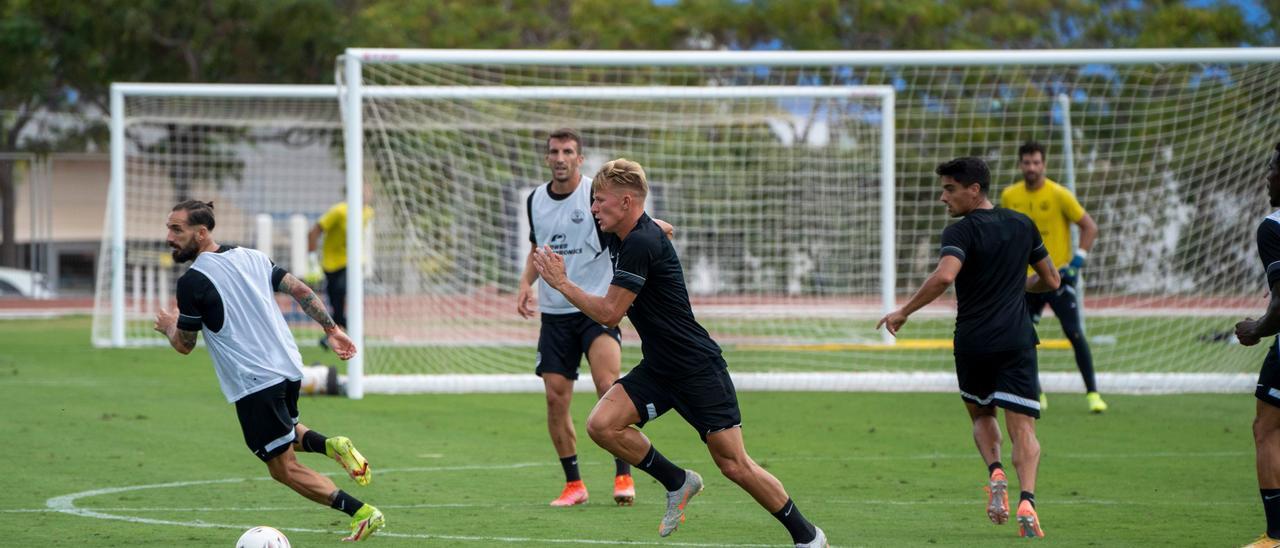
{"x":62,"y":55}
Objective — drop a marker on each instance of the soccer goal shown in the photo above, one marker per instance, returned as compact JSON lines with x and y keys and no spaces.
{"x":775,"y":200}
{"x":269,"y":157}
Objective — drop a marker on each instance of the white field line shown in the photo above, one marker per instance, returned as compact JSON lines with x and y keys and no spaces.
{"x":67,"y":503}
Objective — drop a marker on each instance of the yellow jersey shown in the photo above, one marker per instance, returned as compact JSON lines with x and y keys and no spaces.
{"x":1053,"y":208}
{"x":333,"y":253}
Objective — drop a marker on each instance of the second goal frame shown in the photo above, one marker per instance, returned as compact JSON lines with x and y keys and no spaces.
{"x":353,"y":94}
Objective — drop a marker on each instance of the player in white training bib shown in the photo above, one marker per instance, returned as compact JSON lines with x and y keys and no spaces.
{"x":229,"y":295}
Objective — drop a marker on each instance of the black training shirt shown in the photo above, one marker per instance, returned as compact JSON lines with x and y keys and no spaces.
{"x":646,"y":264}
{"x":995,"y":247}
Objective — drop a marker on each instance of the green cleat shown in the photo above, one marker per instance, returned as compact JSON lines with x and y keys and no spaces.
{"x":676,"y":501}
{"x":366,"y":521}
{"x":1096,"y":405}
{"x":339,"y":448}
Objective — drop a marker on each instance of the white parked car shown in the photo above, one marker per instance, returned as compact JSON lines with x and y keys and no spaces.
{"x":23,"y":283}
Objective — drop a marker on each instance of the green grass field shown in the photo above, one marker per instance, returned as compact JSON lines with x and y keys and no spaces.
{"x":138,"y":448}
{"x":1136,"y":345}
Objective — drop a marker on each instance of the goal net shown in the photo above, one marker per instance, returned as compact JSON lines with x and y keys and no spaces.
{"x":775,"y":201}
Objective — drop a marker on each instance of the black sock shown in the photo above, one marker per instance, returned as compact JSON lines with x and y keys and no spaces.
{"x":313,"y":442}
{"x":621,"y":468}
{"x":669,"y":475}
{"x":570,"y":465}
{"x":1028,"y":496}
{"x":346,"y":503}
{"x":991,"y":468}
{"x":801,"y":530}
{"x":1271,"y":506}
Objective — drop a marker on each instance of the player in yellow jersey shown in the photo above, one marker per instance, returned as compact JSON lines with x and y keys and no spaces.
{"x":332,"y":226}
{"x":1054,"y":209}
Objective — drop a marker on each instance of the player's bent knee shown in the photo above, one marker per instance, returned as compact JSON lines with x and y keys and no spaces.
{"x":736,"y":471}
{"x":558,"y":402}
{"x":1265,"y":431}
{"x":601,"y":429}
{"x":281,"y":473}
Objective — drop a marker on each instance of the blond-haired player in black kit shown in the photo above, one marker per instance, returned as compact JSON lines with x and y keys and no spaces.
{"x":986,"y":255}
{"x":682,"y":368}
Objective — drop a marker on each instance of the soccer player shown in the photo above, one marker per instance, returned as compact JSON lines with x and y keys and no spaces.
{"x":1266,"y":424}
{"x":228,"y":294}
{"x":1054,"y":208}
{"x":332,"y":226}
{"x":560,"y":216}
{"x":985,"y":254}
{"x":682,"y":368}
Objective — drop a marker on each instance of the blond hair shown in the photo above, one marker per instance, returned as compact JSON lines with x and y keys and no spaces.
{"x":624,"y":174}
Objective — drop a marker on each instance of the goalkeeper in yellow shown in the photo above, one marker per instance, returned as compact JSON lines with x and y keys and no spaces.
{"x":1054,"y":209}
{"x":332,"y":229}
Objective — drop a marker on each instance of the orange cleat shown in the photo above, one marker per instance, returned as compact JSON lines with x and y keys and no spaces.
{"x":1028,"y":521}
{"x":998,"y":498}
{"x":624,"y":490}
{"x":574,"y":493}
{"x":1264,"y":541}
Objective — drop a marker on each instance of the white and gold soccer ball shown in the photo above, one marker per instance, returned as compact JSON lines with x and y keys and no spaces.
{"x":262,"y":537}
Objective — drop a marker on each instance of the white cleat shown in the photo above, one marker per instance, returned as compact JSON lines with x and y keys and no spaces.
{"x":819,"y":541}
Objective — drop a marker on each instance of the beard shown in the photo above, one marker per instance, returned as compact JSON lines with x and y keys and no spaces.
{"x":187,"y":253}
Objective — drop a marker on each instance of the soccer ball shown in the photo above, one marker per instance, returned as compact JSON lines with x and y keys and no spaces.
{"x":262,"y":537}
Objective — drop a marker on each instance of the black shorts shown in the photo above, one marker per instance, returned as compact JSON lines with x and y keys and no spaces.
{"x":704,"y":397}
{"x":268,"y":417}
{"x":564,"y":339}
{"x":1008,"y":379}
{"x":1269,"y":378}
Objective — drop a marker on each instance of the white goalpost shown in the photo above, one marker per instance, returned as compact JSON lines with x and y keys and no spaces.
{"x":800,"y":185}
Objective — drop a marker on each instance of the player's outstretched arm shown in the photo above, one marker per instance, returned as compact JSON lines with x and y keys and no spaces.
{"x":942,"y":278}
{"x":167,"y":324}
{"x":1250,"y":331}
{"x":314,"y":307}
{"x":608,"y":310}
{"x":1045,"y":279}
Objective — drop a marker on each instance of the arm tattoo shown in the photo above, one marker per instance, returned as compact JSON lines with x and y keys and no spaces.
{"x":187,"y":338}
{"x":307,"y":299}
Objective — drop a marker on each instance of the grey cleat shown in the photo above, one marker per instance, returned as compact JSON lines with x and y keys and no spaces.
{"x":819,"y":541}
{"x":676,"y":501}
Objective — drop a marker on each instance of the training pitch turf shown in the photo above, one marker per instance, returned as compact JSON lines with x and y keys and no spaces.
{"x":138,"y":448}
